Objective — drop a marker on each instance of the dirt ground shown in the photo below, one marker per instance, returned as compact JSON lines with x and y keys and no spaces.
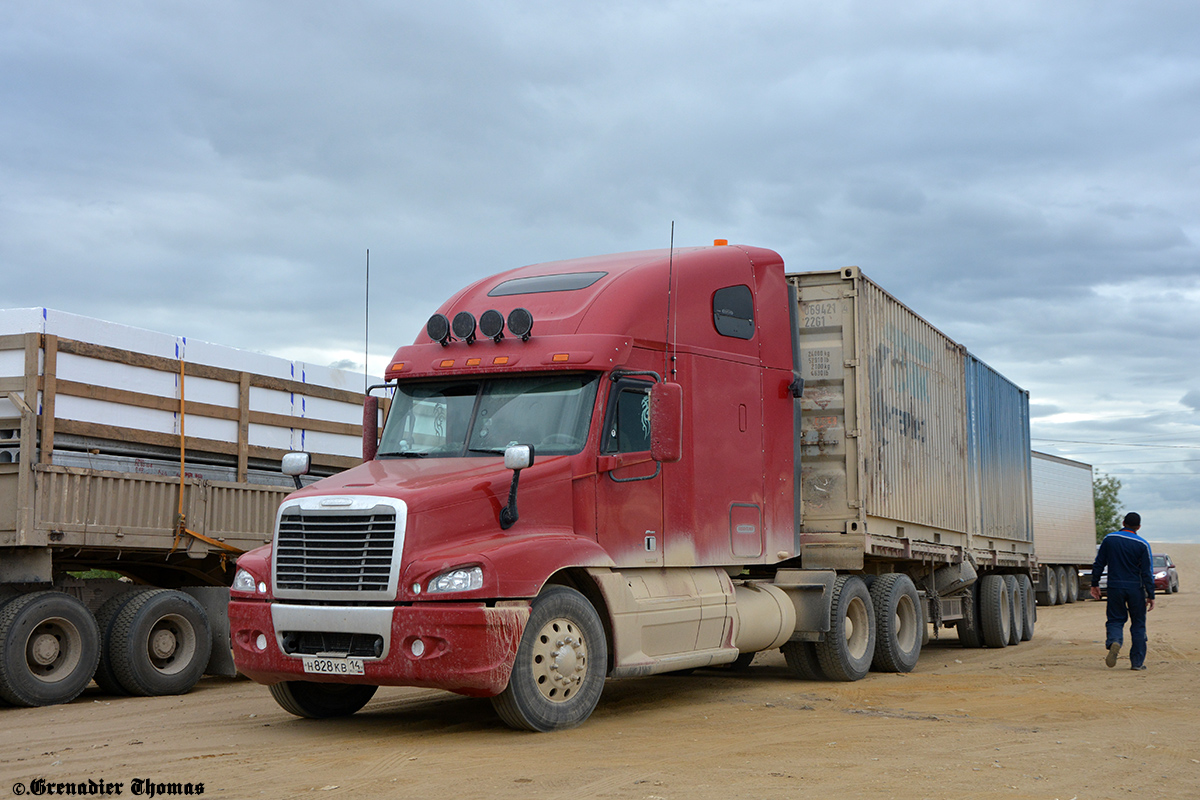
{"x":1042,"y":720}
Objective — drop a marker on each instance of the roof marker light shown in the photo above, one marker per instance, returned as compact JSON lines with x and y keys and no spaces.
{"x":561,"y":357}
{"x":520,"y":322}
{"x":464,"y":326}
{"x":720,"y":242}
{"x":438,"y":329}
{"x":491,"y":325}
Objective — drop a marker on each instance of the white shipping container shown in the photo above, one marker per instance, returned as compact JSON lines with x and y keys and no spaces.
{"x":1064,"y":513}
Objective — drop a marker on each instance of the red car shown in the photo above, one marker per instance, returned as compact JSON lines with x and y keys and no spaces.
{"x":1166,"y":577}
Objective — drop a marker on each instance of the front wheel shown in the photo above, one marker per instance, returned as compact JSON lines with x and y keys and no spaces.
{"x":321,"y":700}
{"x":559,"y":670}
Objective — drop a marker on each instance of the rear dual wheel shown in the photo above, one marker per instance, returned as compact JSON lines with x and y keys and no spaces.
{"x":49,"y":647}
{"x":848,"y":649}
{"x":995,"y":613}
{"x":899,"y":621}
{"x":156,"y":642}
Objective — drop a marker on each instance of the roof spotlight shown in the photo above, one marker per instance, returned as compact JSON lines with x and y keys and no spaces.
{"x":491,"y":325}
{"x":520,"y":322}
{"x":438,"y":329}
{"x":464,"y":326}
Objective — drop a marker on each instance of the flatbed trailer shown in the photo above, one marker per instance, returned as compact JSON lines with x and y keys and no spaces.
{"x":134,"y":454}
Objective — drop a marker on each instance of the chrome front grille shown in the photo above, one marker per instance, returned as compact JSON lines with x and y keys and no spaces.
{"x":335,"y":551}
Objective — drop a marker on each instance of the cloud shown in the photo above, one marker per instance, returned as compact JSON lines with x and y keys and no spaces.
{"x":1021,"y":175}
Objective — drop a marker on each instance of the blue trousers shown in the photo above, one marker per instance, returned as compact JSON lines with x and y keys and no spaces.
{"x":1127,"y":604}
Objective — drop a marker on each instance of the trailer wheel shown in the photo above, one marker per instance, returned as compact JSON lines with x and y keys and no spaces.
{"x":1049,"y":597}
{"x":106,"y":619}
{"x":160,"y":643}
{"x":898,"y":623}
{"x":1060,"y":577}
{"x":321,"y":700}
{"x":970,"y":633}
{"x":848,"y":648}
{"x":559,"y":670}
{"x":50,"y":647}
{"x":1016,"y":619}
{"x":1030,"y":607}
{"x":995,"y":617}
{"x":802,"y":660}
{"x":1071,"y":579}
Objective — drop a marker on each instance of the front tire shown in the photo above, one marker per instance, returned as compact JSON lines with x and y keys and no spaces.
{"x":848,"y":648}
{"x":321,"y":700}
{"x":560,"y":666}
{"x":898,"y":623}
{"x":49,"y":648}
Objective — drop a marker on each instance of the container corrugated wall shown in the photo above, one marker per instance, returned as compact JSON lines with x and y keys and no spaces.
{"x":999,"y":454}
{"x":902,"y":430}
{"x":913,"y":446}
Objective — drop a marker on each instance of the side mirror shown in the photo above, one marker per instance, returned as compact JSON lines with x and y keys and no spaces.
{"x":666,"y":422}
{"x":296,"y":464}
{"x":516,"y":457}
{"x":370,"y":427}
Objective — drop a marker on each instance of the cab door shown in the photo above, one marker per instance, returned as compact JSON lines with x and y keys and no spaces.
{"x":629,"y":485}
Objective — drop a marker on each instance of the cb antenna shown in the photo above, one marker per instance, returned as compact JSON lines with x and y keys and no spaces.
{"x":670,"y":357}
{"x":367,"y":325}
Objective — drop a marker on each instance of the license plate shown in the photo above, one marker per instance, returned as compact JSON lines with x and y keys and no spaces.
{"x":333,"y":666}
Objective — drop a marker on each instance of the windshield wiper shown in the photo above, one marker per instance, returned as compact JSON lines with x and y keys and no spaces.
{"x":404,"y":454}
{"x":492,"y":451}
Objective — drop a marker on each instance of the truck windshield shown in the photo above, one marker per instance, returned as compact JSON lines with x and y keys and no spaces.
{"x":481,"y":416}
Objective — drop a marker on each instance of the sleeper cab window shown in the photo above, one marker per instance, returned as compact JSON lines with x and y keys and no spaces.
{"x":733,"y":312}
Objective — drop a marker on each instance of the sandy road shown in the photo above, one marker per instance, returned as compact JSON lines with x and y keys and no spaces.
{"x":1045,"y":719}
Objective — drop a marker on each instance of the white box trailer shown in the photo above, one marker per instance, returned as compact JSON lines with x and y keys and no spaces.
{"x":153,"y":456}
{"x":1064,"y":526}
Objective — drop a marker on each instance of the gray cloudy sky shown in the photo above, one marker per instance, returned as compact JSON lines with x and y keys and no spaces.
{"x":1022,"y":174}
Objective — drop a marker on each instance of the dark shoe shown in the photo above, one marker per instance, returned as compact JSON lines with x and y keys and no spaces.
{"x":1110,"y":660}
{"x":1143,"y":666}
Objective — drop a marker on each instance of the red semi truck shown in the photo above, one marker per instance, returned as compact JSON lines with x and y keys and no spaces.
{"x":641,"y":463}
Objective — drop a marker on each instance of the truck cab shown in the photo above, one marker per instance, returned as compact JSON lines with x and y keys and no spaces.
{"x":423,"y":566}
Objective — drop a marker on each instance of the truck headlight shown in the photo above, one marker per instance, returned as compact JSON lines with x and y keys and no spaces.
{"x":463,"y":579}
{"x":243,"y":581}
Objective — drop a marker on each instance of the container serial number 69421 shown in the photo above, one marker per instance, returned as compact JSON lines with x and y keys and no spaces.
{"x":333,"y":666}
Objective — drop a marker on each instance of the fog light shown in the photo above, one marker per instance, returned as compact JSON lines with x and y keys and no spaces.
{"x":416,"y":588}
{"x":418,"y":648}
{"x":261,"y":642}
{"x":262,"y":587}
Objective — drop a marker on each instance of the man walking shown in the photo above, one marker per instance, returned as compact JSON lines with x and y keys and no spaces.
{"x":1130,"y":589}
